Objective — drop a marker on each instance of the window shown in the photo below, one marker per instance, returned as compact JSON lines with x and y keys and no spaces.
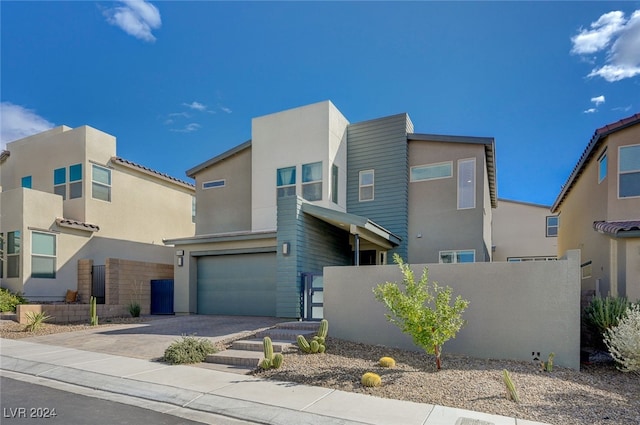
{"x":13,"y":254}
{"x":312,"y":181}
{"x":629,"y":171}
{"x":193,"y":209}
{"x":602,"y":167}
{"x":366,"y":179}
{"x":60,"y":182}
{"x":43,"y":255}
{"x":26,"y":182}
{"x":75,"y":181}
{"x":466,"y":183}
{"x":455,"y":257}
{"x":214,"y":183}
{"x":286,"y":181}
{"x":552,"y":226}
{"x":334,"y":183}
{"x":101,"y":183}
{"x":586,"y":270}
{"x":431,"y":172}
{"x":524,"y":259}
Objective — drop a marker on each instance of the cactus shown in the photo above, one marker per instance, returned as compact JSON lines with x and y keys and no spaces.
{"x":265,"y":364}
{"x":267,"y":347}
{"x":387,"y":362}
{"x":323,"y":329}
{"x":321,"y":349}
{"x":548,"y":365}
{"x":303,"y":344}
{"x":371,"y":379}
{"x":93,"y":311}
{"x":277,"y":360}
{"x":512,"y":394}
{"x":314,"y":346}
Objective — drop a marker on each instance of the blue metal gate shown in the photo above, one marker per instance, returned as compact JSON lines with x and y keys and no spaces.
{"x":98,"y":284}
{"x":312,"y":299}
{"x":162,"y":296}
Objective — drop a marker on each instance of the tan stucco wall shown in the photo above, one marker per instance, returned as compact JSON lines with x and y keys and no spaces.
{"x":519,"y":230}
{"x":228,"y":208}
{"x":433,"y":204}
{"x":514,"y":308}
{"x":632,"y":252}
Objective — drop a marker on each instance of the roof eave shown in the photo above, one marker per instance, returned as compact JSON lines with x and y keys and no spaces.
{"x":195,"y":170}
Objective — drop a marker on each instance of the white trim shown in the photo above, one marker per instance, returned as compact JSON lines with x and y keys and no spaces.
{"x":372,"y":185}
{"x":215,"y":184}
{"x":412,"y":180}
{"x":475,"y":183}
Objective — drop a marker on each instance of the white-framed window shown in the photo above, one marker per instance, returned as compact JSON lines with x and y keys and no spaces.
{"x":43,"y":255}
{"x":286,"y":181}
{"x":334,"y":183}
{"x":552,"y":226}
{"x":586,"y":270}
{"x":193,"y":209}
{"x":101,"y":183}
{"x":466,"y":183}
{"x":524,"y":259}
{"x":14,"y":242}
{"x":312,"y":181}
{"x":440,"y":170}
{"x":458,"y":256}
{"x":366,"y":179}
{"x":602,"y":167}
{"x":214,"y":183}
{"x":629,"y":171}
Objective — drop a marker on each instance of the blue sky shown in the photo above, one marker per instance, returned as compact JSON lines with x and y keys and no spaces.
{"x":178,"y":82}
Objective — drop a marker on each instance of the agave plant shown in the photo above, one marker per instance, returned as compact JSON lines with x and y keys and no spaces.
{"x":35,"y":321}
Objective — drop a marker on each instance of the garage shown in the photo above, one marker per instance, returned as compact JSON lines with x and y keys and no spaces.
{"x":238,"y":284}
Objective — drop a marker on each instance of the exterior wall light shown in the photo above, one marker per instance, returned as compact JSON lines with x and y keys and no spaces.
{"x":286,"y":248}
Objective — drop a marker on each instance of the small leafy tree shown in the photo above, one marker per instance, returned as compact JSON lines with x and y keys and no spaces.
{"x":623,"y":340}
{"x":422,"y":310}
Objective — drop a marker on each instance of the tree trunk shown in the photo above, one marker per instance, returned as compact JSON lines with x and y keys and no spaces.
{"x":437,"y":351}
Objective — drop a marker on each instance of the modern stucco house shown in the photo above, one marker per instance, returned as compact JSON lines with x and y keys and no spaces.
{"x":309,"y":190}
{"x":599,"y":210}
{"x":523,"y":231}
{"x":67,"y":197}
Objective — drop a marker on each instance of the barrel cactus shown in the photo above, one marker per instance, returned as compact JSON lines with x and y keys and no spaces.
{"x":371,"y":379}
{"x":387,"y":362}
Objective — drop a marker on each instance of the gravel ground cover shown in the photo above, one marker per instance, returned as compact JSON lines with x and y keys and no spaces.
{"x":598,"y":394}
{"x":14,"y":330}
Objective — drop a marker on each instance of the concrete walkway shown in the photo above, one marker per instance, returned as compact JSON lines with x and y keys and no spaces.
{"x":242,"y":397}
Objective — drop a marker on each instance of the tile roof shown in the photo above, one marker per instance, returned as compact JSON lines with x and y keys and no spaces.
{"x":131,"y":164}
{"x":615,"y":228}
{"x":74,"y":224}
{"x":591,"y":149}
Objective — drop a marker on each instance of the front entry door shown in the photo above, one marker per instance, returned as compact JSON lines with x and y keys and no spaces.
{"x":313,"y":299}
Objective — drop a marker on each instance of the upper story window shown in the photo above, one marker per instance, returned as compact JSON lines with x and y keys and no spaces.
{"x":629,"y":171}
{"x":214,"y":183}
{"x":431,"y":172}
{"x":75,"y":181}
{"x":552,"y":226}
{"x":602,"y":167}
{"x":13,"y":254}
{"x":286,"y":181}
{"x":43,"y":255}
{"x":193,"y":209}
{"x":334,"y":183}
{"x":459,"y":256}
{"x":60,"y":182}
{"x":101,"y":183}
{"x":466,"y":183}
{"x":26,"y":182}
{"x":366,"y":180}
{"x":312,"y":181}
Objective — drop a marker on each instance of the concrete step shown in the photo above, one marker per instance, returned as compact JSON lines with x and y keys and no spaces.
{"x":285,"y":334}
{"x":236,"y":358}
{"x":257,"y":345}
{"x":303,"y":326}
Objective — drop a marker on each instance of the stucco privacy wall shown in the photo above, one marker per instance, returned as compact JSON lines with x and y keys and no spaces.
{"x":514,"y":308}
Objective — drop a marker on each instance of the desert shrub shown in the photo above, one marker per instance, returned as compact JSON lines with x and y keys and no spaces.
{"x":35,"y":321}
{"x":188,"y":350}
{"x":623,"y":340}
{"x":134,"y":309}
{"x":9,"y":300}
{"x":604,"y":313}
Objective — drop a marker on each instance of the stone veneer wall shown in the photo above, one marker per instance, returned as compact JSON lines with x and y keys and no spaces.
{"x":70,"y":313}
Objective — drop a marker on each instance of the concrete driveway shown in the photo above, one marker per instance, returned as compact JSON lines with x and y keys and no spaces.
{"x":148,"y":340}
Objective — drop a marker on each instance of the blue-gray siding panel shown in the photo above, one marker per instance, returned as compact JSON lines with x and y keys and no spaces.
{"x":381,"y":145}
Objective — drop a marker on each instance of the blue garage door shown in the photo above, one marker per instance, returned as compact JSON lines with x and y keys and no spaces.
{"x":239,"y":284}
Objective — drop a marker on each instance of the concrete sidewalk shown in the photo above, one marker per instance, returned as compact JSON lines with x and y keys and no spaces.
{"x":227,"y":394}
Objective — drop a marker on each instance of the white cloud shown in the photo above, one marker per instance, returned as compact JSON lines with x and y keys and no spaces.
{"x":618,"y":38}
{"x":597,"y":100}
{"x":622,"y":108}
{"x":17,"y":122}
{"x":196,"y":105}
{"x":225,"y":109}
{"x":590,"y":111}
{"x":136,"y":17}
{"x":189,"y":128}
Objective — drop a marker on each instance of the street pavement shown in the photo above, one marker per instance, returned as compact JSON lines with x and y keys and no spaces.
{"x":229,"y":395}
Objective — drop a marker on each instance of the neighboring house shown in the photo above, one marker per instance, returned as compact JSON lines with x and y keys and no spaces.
{"x":311,"y":190}
{"x":66,"y":197}
{"x":523,"y":231}
{"x":599,"y":210}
